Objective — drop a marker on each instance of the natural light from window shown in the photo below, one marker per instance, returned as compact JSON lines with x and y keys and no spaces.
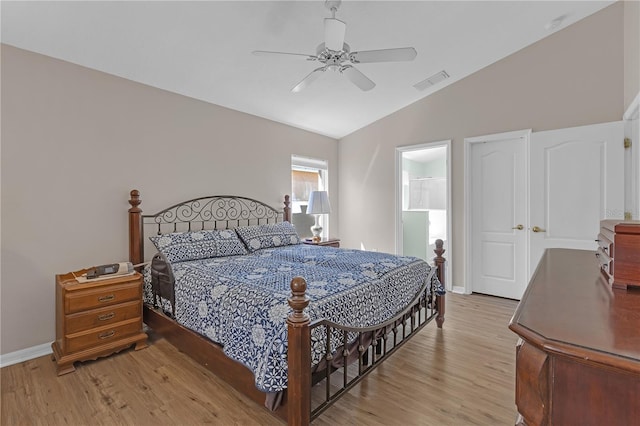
{"x":307,"y":174}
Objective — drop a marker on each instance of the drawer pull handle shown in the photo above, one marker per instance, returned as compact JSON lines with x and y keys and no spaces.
{"x":107,"y":334}
{"x":106,"y":298}
{"x":105,"y":317}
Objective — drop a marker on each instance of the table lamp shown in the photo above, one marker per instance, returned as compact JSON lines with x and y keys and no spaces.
{"x":318,"y":205}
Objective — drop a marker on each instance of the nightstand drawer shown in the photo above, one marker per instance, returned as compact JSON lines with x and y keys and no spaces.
{"x":103,"y":316}
{"x":102,"y":296}
{"x":102,"y":335}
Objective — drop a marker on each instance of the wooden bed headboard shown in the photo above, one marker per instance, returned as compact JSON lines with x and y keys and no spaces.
{"x":211,"y":212}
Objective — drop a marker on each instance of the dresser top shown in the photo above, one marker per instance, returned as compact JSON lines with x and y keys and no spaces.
{"x":569,"y":307}
{"x":617,"y":225}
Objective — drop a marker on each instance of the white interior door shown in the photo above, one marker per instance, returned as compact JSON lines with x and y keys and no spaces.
{"x":577,"y":178}
{"x":498,"y":214}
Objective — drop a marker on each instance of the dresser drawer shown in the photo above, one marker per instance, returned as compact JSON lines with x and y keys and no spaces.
{"x":102,"y":335}
{"x":620,"y":240}
{"x":605,"y":243}
{"x":606,"y":263}
{"x":103,"y":316}
{"x":83,"y":300}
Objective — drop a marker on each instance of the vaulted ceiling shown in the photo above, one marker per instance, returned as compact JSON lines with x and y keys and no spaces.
{"x":203,"y":49}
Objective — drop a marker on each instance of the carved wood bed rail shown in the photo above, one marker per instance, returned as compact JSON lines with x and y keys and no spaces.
{"x":368,"y":346}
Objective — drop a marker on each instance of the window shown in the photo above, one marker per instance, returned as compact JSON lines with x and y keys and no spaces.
{"x":307,"y":174}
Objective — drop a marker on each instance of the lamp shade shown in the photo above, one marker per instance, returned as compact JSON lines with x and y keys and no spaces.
{"x":318,"y":203}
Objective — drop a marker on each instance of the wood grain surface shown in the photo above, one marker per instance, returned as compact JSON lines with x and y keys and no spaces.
{"x":471,"y":360}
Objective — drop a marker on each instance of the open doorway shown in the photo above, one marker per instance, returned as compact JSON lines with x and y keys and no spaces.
{"x":423,"y":201}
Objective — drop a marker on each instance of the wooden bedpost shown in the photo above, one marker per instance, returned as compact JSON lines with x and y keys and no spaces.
{"x":136,"y":246}
{"x":440,"y":262}
{"x":299,"y":357}
{"x":287,"y":209}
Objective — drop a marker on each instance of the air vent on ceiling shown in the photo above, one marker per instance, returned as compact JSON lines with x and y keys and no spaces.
{"x":430,"y":81}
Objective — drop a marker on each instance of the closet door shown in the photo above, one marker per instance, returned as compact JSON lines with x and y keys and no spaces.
{"x":576,"y":179}
{"x":497,"y":214}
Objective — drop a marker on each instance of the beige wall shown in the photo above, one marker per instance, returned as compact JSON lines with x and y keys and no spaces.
{"x":571,"y":78}
{"x":75,"y":141}
{"x":631,"y":51}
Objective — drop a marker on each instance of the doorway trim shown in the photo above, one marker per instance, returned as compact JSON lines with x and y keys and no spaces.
{"x":631,"y":119}
{"x":398,"y":210}
{"x":468,"y":211}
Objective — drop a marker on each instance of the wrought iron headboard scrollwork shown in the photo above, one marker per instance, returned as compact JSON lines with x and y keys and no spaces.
{"x":216,"y":211}
{"x":211,"y":212}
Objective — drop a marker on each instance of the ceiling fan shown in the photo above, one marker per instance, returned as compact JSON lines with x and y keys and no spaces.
{"x":334,"y":52}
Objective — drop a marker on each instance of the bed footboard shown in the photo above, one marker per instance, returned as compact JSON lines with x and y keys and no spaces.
{"x":357,"y":352}
{"x":439,"y":262}
{"x":298,"y":357}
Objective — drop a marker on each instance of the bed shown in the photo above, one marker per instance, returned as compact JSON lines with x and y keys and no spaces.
{"x":290,"y":325}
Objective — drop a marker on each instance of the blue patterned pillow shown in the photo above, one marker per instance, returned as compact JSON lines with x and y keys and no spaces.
{"x":194,"y":245}
{"x":268,"y":236}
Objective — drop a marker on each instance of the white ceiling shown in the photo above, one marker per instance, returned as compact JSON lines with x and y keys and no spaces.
{"x":202,"y":49}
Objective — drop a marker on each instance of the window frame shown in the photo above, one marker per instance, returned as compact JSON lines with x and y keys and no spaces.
{"x":314,"y":165}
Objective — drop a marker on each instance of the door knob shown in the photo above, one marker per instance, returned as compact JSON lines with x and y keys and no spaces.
{"x":537,"y":229}
{"x":519,"y":227}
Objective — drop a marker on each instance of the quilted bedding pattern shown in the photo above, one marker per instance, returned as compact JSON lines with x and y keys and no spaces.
{"x":241,"y":301}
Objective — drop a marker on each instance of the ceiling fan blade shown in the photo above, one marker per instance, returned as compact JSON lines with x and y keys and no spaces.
{"x":306,"y":82}
{"x":383,"y":55}
{"x":357,"y":78}
{"x":334,"y":30}
{"x":269,"y":53}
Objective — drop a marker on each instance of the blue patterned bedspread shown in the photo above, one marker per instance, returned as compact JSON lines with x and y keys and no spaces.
{"x":241,"y":301}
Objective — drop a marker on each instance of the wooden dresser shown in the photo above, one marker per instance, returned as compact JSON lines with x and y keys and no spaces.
{"x":619,"y":252}
{"x":578,"y":357}
{"x":96,"y":318}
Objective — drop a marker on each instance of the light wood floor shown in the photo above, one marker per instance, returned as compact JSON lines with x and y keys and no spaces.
{"x":460,"y":375}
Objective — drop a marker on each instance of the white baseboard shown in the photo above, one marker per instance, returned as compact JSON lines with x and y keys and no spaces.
{"x":25,"y":354}
{"x":458,"y":289}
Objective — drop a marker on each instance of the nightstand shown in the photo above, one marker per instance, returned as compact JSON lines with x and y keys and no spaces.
{"x":96,"y":318}
{"x":331,"y":242}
